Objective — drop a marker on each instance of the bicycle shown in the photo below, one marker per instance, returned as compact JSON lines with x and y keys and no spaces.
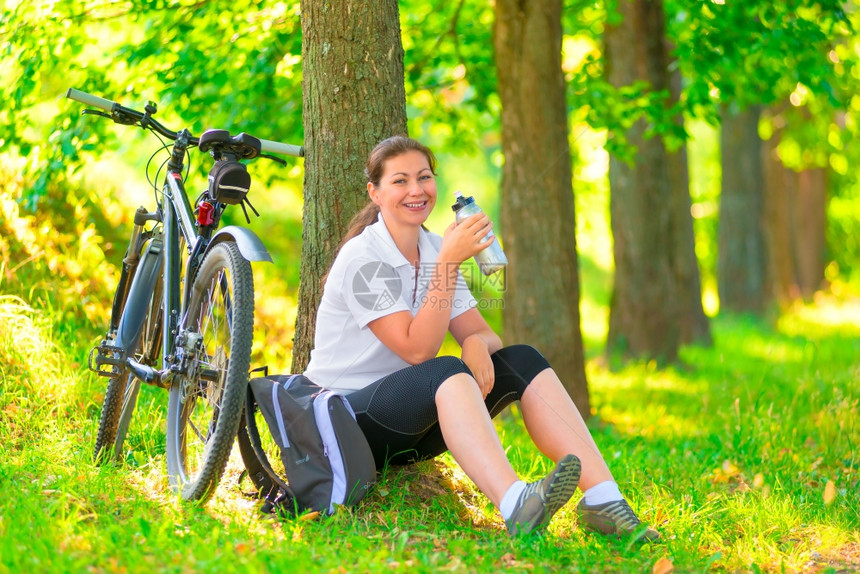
{"x":185,"y":294}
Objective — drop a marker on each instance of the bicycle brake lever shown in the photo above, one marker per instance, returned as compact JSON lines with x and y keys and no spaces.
{"x":89,"y":112}
{"x":273,"y":158}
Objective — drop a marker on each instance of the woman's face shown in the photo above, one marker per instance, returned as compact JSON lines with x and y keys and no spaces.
{"x":406,"y":192}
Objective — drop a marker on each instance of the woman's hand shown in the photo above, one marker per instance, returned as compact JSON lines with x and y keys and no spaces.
{"x":464,"y":240}
{"x":476,"y":355}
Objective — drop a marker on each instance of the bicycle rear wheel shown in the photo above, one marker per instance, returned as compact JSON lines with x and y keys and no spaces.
{"x":205,"y":405}
{"x":139,"y":316}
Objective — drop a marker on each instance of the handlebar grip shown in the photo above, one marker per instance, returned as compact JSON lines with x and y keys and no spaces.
{"x":278,"y":147}
{"x":90,"y":100}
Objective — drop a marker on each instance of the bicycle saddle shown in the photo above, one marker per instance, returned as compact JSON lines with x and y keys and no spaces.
{"x":243,"y":145}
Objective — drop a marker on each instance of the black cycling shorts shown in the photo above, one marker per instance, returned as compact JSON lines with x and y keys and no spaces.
{"x":398,"y":412}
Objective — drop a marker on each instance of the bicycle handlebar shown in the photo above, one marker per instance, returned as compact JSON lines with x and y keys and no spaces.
{"x":116,"y":110}
{"x":91,"y":100}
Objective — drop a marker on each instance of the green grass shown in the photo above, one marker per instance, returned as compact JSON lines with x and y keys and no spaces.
{"x":729,"y":454}
{"x":729,"y":457}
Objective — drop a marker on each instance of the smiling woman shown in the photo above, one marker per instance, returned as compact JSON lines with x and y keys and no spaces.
{"x":377,"y":343}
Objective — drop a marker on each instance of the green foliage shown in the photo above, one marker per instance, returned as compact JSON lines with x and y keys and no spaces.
{"x":611,"y":108}
{"x":754,"y":52}
{"x":450,"y":72}
{"x":209,"y":64}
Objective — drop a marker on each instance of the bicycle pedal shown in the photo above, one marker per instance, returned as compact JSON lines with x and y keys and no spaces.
{"x":103,"y":359}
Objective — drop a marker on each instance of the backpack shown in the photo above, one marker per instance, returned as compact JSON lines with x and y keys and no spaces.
{"x":325,"y":456}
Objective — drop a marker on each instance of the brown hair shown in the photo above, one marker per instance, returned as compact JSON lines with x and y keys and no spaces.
{"x":385,"y":150}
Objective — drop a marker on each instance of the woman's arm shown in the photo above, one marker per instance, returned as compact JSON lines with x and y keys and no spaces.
{"x":478,"y":341}
{"x":419,"y":338}
{"x":472,"y":324}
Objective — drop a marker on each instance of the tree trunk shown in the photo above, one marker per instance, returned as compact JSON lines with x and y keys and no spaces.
{"x":780,"y":213}
{"x":694,"y":323}
{"x":538,"y":217}
{"x":795,"y":225}
{"x":742,"y":278}
{"x":646,"y":308}
{"x":353,"y":97}
{"x":810,"y":242}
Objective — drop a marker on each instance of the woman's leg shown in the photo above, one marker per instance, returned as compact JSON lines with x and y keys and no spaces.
{"x":553,"y":421}
{"x":557,"y":428}
{"x":418,"y":412}
{"x":471,"y":437}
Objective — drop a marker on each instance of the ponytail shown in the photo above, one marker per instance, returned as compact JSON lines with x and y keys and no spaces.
{"x":365,"y":217}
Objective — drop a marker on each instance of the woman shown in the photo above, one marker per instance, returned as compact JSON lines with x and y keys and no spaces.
{"x":392,"y":294}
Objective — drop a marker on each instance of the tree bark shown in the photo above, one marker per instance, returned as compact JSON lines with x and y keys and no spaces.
{"x":742,"y":276}
{"x":795,"y":226}
{"x":810,"y":244}
{"x":353,"y":97}
{"x":780,"y":213}
{"x":651,"y":237}
{"x":694,"y":324}
{"x":538,"y":216}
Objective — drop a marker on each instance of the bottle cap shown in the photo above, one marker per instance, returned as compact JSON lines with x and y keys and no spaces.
{"x":461,"y":201}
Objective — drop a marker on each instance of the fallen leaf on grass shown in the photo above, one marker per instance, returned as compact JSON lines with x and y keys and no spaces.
{"x":727,"y":472}
{"x":662,"y":566}
{"x":309,"y":515}
{"x":510,"y":561}
{"x":243,"y":548}
{"x":829,"y":492}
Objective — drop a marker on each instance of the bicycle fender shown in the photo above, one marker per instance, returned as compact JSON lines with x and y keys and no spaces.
{"x":139,"y":297}
{"x":250,"y":246}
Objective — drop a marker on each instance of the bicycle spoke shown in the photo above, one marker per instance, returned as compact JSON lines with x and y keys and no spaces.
{"x":196,"y":431}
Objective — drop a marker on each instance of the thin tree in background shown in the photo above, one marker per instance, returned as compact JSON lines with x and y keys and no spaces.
{"x":353,"y":97}
{"x":795,"y":216}
{"x":695,"y":327}
{"x":656,"y":298}
{"x":742,"y":276}
{"x":538,"y":217}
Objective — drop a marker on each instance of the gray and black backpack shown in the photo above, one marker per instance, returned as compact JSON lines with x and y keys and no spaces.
{"x":326,"y":458}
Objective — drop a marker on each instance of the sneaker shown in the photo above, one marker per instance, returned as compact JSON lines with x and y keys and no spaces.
{"x":540,"y":500}
{"x":614,"y":518}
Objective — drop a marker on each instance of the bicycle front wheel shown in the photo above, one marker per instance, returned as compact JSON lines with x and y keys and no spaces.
{"x":149,"y":349}
{"x":205,"y":404}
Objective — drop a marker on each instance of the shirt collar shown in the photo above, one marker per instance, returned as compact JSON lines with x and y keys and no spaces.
{"x":426,"y":249}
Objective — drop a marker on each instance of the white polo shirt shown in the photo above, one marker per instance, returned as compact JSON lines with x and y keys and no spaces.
{"x":370,"y":279}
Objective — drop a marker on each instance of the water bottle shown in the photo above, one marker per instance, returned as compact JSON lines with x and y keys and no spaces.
{"x":491,"y":258}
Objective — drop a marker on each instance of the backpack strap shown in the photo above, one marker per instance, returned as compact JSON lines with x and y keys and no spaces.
{"x":253,"y":468}
{"x":275,"y":491}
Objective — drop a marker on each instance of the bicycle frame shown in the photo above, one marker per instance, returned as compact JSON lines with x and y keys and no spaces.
{"x":177,"y":218}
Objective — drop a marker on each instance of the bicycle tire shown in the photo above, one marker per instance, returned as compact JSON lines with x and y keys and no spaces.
{"x":129,"y":331}
{"x":221,"y":310}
